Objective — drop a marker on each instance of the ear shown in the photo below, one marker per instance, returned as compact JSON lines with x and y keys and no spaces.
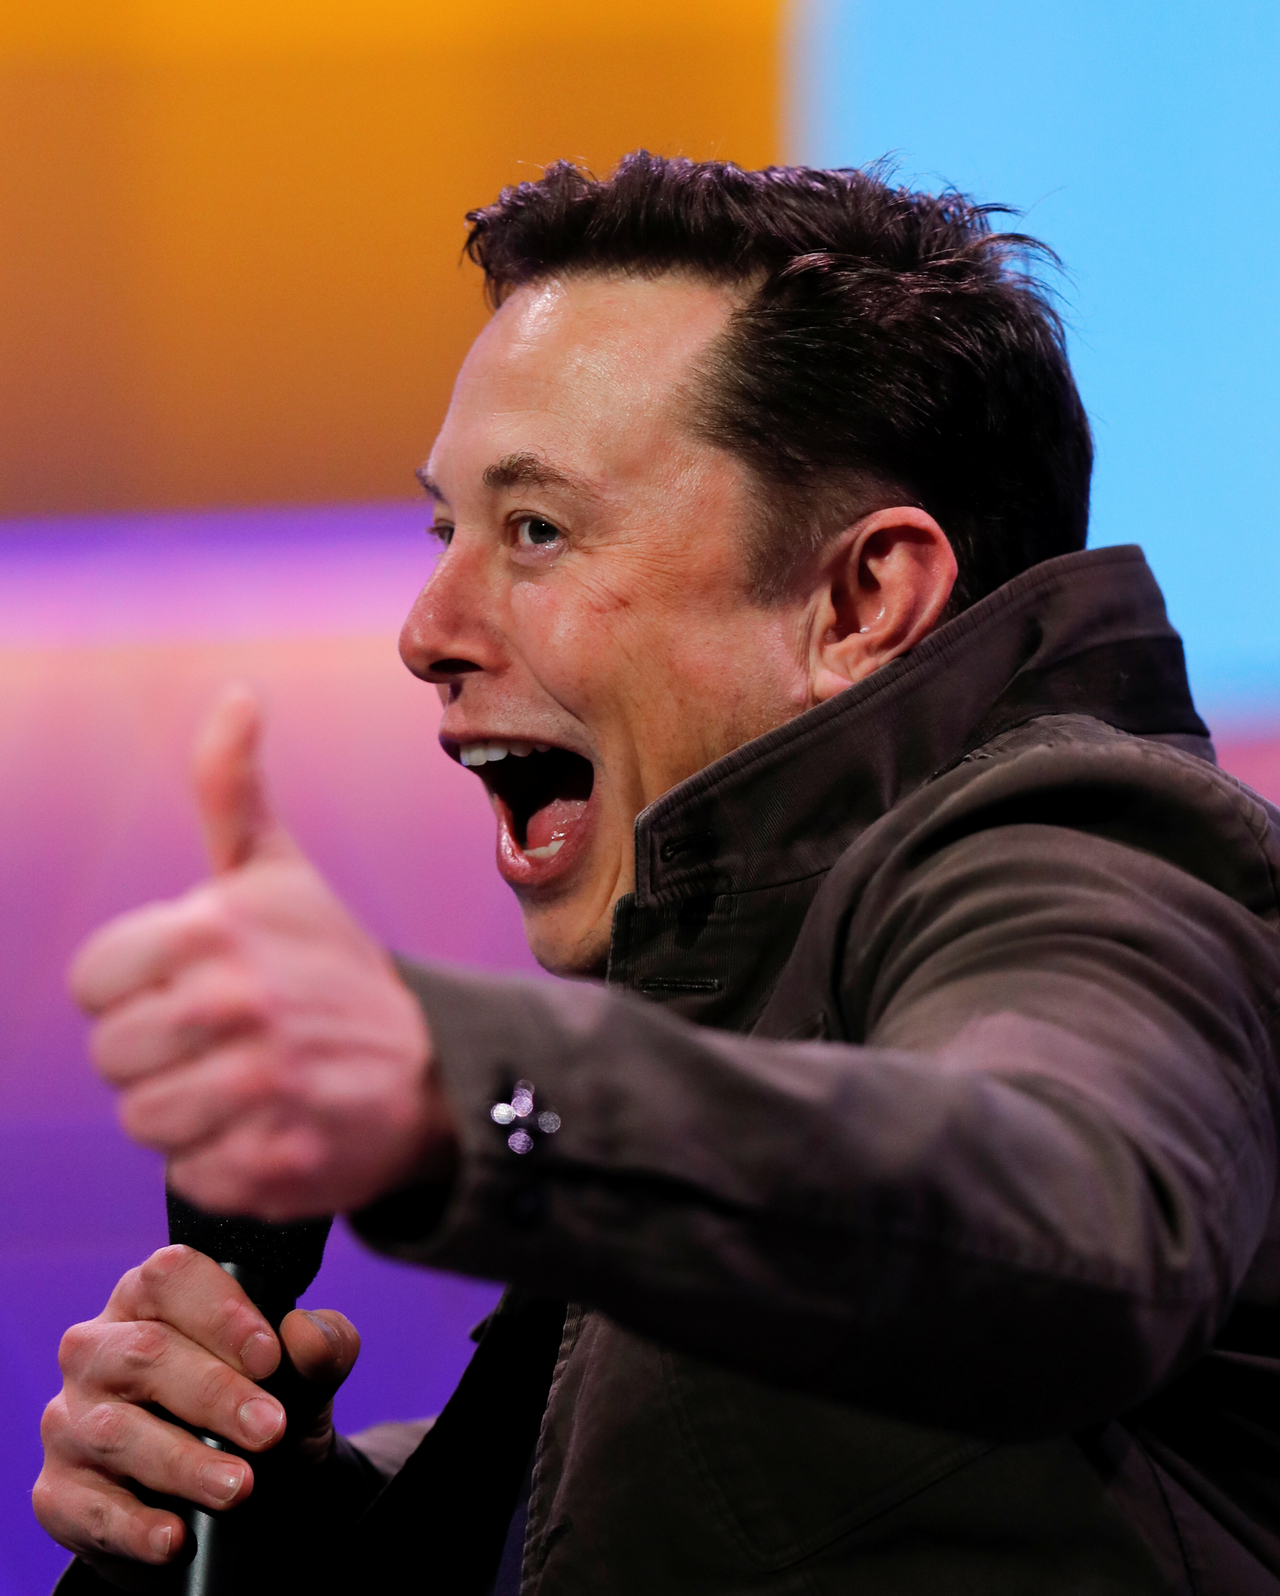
{"x":884,"y":584}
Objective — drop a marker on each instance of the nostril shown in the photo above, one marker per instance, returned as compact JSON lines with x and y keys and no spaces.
{"x":442,"y":669}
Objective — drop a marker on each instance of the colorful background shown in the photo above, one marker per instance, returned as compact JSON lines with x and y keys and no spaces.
{"x":230,"y":306}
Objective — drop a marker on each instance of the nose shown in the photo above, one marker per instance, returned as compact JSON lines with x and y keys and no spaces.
{"x":450,"y":631}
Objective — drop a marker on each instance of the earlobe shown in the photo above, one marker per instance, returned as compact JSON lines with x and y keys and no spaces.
{"x":884,"y":586}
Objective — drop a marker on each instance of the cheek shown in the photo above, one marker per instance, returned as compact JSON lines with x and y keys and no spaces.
{"x":655,"y":649}
{"x":589,"y":635}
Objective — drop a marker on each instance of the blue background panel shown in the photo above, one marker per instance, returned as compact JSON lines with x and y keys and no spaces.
{"x":1141,"y":141}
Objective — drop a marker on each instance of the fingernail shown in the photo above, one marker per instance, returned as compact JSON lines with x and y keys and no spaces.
{"x":261,"y":1418}
{"x":221,"y":1481}
{"x":332,"y":1339}
{"x":160,"y":1540}
{"x":258,"y":1355}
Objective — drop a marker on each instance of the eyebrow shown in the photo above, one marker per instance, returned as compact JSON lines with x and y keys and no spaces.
{"x":522,"y":470}
{"x":526,"y":470}
{"x":430,"y":486}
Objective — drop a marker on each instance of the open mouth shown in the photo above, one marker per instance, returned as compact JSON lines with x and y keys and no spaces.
{"x":539,"y":792}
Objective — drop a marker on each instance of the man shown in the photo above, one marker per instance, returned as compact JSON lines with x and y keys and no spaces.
{"x":912,"y":1179}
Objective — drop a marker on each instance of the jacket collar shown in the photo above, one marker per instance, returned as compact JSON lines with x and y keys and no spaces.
{"x":1084,"y":633}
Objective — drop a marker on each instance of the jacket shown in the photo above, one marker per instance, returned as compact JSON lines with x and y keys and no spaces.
{"x":913,"y":1178}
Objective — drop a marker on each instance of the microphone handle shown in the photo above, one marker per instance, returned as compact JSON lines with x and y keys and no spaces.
{"x":234,"y":1550}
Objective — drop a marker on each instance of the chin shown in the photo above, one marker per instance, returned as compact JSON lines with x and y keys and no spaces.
{"x":575,"y":952}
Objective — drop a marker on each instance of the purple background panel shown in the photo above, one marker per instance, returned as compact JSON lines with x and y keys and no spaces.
{"x":100,"y":695}
{"x":115,"y":636}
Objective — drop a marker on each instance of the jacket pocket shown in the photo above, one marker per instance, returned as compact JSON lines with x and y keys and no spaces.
{"x":788,"y":1474}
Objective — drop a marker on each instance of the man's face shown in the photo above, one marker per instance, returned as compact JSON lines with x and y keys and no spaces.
{"x":588,"y":623}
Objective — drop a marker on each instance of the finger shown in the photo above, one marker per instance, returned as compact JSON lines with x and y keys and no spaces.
{"x":143,"y":1362}
{"x":143,"y":948}
{"x":120,"y":1441}
{"x":183,"y":1288}
{"x":190,"y":1105}
{"x":231,"y":796}
{"x":322,"y":1345}
{"x":161,"y":1027}
{"x":96,"y":1517}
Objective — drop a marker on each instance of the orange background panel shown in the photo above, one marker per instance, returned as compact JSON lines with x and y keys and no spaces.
{"x":230,"y":235}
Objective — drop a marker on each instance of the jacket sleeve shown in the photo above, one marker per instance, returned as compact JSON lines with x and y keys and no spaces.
{"x":1020,"y":1201}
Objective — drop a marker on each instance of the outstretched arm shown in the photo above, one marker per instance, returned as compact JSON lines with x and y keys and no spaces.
{"x":1023,"y":1202}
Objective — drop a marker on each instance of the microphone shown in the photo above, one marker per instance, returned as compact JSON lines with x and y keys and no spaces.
{"x":240,"y":1551}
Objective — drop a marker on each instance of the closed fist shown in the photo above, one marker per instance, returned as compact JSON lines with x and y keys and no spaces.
{"x":256,"y":1034}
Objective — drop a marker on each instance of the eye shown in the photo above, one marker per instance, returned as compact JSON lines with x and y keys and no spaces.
{"x":532,"y":532}
{"x":441,"y":530}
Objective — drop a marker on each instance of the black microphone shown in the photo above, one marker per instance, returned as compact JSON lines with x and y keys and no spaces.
{"x":240,"y":1551}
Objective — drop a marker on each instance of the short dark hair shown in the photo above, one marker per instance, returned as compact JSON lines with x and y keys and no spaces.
{"x":889,"y":347}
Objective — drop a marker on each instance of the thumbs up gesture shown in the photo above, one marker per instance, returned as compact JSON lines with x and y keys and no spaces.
{"x":257,"y":1036}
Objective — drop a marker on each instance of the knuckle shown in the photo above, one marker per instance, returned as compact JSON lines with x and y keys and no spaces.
{"x":104,"y":1428}
{"x":216,"y":1387}
{"x":78,"y":1346}
{"x":57,"y":1506}
{"x":95,"y":1524}
{"x":233,"y":1321}
{"x":181,"y":1462}
{"x":142,"y":1345}
{"x":55,"y":1422}
{"x":44,"y":1501}
{"x":156,"y":1275}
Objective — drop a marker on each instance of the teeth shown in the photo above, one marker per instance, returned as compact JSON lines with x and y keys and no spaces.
{"x":488,"y":753}
{"x":549,"y":852}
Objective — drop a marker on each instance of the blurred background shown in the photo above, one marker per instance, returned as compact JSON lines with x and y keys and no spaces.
{"x":231,"y":304}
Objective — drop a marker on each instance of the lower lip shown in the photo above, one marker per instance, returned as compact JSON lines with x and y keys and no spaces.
{"x":515,"y":866}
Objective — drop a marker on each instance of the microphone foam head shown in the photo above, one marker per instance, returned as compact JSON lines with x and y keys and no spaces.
{"x":286,"y":1256}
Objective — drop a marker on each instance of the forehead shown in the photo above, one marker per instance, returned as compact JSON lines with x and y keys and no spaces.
{"x":591,"y":367}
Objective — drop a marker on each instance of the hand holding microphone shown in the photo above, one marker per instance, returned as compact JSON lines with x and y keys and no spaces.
{"x":177,"y":1334}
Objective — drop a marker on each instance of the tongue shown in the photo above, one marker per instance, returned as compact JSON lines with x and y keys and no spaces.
{"x":553,"y":822}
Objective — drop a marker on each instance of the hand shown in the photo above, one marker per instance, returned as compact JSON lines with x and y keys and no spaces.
{"x":259,"y":1038}
{"x":180,"y":1333}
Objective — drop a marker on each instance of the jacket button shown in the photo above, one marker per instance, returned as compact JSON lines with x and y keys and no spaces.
{"x":522,"y":1113}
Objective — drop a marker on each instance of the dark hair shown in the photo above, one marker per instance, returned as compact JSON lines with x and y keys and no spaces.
{"x":889,"y":347}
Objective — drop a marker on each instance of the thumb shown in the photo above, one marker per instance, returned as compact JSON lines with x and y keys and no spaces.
{"x":231,"y":795}
{"x":321,"y":1346}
